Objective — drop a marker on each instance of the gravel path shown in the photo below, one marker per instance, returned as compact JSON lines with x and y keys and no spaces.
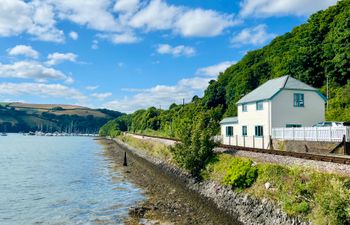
{"x":291,"y":161}
{"x":160,"y":140}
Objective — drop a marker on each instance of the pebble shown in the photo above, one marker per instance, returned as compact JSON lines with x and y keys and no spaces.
{"x":267,"y":185}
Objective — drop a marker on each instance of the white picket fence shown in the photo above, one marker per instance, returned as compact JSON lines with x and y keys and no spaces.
{"x":331,"y":134}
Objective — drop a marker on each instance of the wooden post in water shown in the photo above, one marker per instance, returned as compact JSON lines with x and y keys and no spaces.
{"x":125,"y":160}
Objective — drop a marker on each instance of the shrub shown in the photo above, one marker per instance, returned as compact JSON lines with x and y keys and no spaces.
{"x":333,"y":204}
{"x":196,"y":145}
{"x":241,"y":173}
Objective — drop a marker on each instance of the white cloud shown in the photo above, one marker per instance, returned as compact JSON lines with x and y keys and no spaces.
{"x":179,"y":50}
{"x":265,"y":8}
{"x":74,"y":35}
{"x":158,"y":15}
{"x":101,"y":96}
{"x":126,"y":6}
{"x":91,"y":88}
{"x":92,"y":13}
{"x":23,"y":50}
{"x":203,"y":23}
{"x":94,"y":44}
{"x":160,"y":95}
{"x":35,"y":18}
{"x":32,"y":70}
{"x":214,"y":70}
{"x":254,"y":35}
{"x":56,"y":58}
{"x":123,"y":38}
{"x":119,"y":21}
{"x":41,"y":90}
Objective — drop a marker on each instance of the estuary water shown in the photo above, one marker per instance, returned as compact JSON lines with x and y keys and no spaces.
{"x":61,"y":180}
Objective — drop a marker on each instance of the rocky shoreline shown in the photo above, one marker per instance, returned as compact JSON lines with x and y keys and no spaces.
{"x":245,"y":208}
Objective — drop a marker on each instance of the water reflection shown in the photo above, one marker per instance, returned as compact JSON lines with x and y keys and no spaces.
{"x":60,"y":180}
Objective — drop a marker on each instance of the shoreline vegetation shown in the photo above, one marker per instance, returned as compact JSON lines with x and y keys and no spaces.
{"x":321,"y":198}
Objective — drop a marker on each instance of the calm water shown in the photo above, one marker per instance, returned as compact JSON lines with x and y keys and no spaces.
{"x":60,"y":180}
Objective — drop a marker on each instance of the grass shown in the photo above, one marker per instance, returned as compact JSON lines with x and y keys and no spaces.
{"x":157,"y":133}
{"x":153,"y":148}
{"x":320,"y":197}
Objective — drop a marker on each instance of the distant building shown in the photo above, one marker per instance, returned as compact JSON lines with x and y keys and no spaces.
{"x":281,"y":102}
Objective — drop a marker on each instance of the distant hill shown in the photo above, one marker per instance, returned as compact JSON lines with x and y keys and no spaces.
{"x":23,"y":117}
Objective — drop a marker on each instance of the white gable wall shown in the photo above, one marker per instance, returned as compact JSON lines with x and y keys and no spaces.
{"x":283,"y":110}
{"x":254,"y":117}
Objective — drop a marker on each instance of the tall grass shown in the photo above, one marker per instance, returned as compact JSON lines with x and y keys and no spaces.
{"x":153,"y":148}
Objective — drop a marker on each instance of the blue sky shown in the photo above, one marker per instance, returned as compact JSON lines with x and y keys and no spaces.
{"x":131,"y":54}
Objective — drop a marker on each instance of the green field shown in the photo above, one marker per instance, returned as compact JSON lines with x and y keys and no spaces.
{"x":23,"y":117}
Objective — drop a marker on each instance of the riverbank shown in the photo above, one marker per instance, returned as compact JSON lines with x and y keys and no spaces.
{"x":168,"y":201}
{"x":246,"y":208}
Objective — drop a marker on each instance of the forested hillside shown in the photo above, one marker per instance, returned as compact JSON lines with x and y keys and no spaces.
{"x":312,"y":52}
{"x":21,"y":117}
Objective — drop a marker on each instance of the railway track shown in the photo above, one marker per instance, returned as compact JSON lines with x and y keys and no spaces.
{"x":300,"y":155}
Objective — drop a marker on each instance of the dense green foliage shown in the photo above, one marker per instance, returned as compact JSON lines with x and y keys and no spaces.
{"x":196,"y":144}
{"x":320,"y":197}
{"x":25,"y":120}
{"x":241,"y":173}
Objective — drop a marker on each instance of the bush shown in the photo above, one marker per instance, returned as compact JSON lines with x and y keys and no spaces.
{"x":196,"y":145}
{"x":241,"y":173}
{"x":333,"y":204}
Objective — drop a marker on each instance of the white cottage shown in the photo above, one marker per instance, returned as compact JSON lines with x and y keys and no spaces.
{"x":281,"y":102}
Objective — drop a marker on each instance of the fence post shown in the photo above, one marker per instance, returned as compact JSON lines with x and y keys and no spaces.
{"x":253,"y":141}
{"x":236,"y":140}
{"x":229,"y":140}
{"x":345,"y":146}
{"x":330,"y":133}
{"x":271,"y":143}
{"x":316,"y":133}
{"x":243,"y":141}
{"x":263,"y":138}
{"x":304,"y":133}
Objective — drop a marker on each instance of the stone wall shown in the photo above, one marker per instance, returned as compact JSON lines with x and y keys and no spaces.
{"x":308,"y":146}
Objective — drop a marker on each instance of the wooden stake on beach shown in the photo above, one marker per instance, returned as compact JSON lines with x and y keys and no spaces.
{"x":125,"y":160}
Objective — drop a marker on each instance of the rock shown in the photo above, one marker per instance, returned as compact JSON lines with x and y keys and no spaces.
{"x":267,"y":185}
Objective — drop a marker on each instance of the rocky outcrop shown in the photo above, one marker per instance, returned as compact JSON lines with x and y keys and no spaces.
{"x":247,"y":209}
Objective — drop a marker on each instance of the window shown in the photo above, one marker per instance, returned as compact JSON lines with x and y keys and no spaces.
{"x":259,"y":105}
{"x":244,"y":108}
{"x":229,"y":131}
{"x":293,"y":125}
{"x":298,"y":100}
{"x":259,"y":132}
{"x":244,"y":130}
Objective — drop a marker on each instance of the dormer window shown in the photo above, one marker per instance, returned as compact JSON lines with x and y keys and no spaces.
{"x":259,"y":105}
{"x":298,"y":100}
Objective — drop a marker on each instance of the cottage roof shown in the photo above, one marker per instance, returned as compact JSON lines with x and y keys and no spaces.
{"x":229,"y":120}
{"x":270,"y":88}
